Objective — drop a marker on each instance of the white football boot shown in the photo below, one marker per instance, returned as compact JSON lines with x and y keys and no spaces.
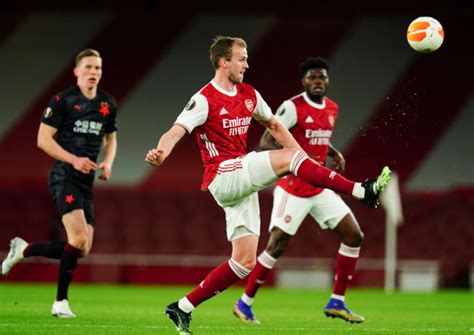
{"x":17,"y":246}
{"x":61,"y":309}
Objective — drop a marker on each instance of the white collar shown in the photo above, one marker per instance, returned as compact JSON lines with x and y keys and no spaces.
{"x":220,"y":89}
{"x":312,"y":103}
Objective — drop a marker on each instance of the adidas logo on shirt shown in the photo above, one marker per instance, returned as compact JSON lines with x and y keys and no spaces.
{"x":223,"y":111}
{"x":309,"y":119}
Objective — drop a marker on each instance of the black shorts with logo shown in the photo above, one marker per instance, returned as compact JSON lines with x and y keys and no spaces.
{"x":72,"y":190}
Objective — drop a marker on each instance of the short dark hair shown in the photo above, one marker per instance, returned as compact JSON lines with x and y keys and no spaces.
{"x":86,"y":53}
{"x":313,"y":63}
{"x":222,"y":48}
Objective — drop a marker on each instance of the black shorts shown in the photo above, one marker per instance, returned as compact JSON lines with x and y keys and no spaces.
{"x":71,"y":191}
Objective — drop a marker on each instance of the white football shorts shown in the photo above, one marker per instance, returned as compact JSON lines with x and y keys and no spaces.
{"x":235,"y":189}
{"x":327,"y":209}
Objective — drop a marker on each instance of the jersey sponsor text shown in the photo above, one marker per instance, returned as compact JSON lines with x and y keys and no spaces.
{"x":87,"y":127}
{"x":318,"y":137}
{"x":237,"y":126}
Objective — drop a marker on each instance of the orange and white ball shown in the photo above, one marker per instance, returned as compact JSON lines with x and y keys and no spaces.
{"x":425,"y":34}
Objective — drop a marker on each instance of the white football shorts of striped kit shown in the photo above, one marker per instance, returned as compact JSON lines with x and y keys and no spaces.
{"x":235,"y":189}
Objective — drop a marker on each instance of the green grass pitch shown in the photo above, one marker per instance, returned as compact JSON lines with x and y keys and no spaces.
{"x":110,"y":309}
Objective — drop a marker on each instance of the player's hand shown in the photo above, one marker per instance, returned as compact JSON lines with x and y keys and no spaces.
{"x":106,"y":171}
{"x":155,"y":157}
{"x":338,"y":163}
{"x":84,"y":165}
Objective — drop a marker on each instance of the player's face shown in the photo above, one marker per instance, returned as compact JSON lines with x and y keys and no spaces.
{"x":316,"y":82}
{"x":89,"y":72}
{"x":237,"y":64}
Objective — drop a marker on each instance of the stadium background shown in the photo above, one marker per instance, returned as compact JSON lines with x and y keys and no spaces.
{"x":412,"y":112}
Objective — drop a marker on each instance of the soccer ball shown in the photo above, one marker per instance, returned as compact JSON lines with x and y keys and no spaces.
{"x":425,"y":34}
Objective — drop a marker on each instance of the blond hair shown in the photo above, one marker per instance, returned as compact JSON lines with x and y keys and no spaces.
{"x":222,"y":48}
{"x":86,"y":53}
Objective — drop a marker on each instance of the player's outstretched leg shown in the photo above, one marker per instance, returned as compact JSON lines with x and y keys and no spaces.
{"x":338,"y":309}
{"x":61,"y":309}
{"x":374,"y":187}
{"x":180,"y":318}
{"x":244,"y":312}
{"x":17,"y":246}
{"x":320,"y":176}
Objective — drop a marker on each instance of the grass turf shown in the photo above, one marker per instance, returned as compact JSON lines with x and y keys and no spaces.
{"x":110,"y":309}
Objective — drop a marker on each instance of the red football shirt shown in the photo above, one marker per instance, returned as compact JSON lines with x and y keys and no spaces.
{"x":221,"y":120}
{"x":311,"y":124}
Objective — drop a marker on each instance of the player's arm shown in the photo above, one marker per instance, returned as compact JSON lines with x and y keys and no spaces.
{"x":167,"y":142}
{"x":280,"y":133}
{"x":47,"y":143}
{"x":193,"y":115}
{"x":338,"y":161}
{"x":110,"y":150}
{"x":286,"y":114}
{"x":274,"y":127}
{"x":267,"y":142}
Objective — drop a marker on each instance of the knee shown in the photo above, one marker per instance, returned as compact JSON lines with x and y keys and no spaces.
{"x":289,"y":155}
{"x":81,"y":242}
{"x":354,"y":240}
{"x":86,"y":251}
{"x":276,"y":248}
{"x":277,"y":242}
{"x":249,"y":263}
{"x":282,"y":159}
{"x":359,"y":238}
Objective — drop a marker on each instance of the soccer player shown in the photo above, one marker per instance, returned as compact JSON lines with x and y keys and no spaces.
{"x":221,"y":113}
{"x":310,"y":117}
{"x":73,"y":128}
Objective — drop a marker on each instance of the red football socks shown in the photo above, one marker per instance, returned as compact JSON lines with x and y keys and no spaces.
{"x":318,"y":175}
{"x":217,"y":281}
{"x":345,"y":266}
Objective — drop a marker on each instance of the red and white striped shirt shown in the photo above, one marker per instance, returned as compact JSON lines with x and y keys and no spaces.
{"x":311,"y":124}
{"x":221,"y":120}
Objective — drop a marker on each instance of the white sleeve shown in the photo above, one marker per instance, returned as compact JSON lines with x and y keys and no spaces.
{"x":286,"y":114}
{"x":194,"y":114}
{"x":262,"y":111}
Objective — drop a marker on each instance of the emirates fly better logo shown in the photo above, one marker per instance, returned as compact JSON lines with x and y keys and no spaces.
{"x":237,"y":126}
{"x":318,"y":136}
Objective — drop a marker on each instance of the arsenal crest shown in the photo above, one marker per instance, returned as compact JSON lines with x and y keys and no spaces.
{"x":249,"y":104}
